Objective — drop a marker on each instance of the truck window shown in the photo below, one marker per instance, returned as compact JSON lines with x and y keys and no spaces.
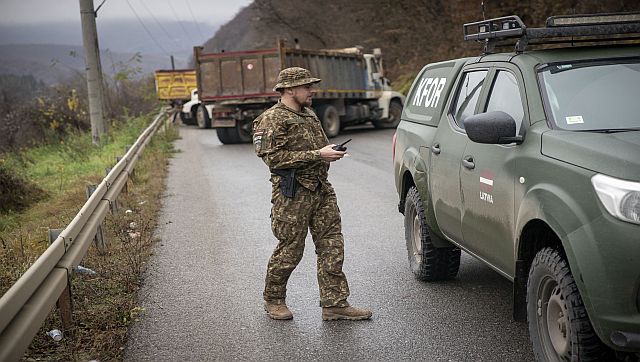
{"x":373,"y":66}
{"x":505,"y":97}
{"x":468,"y":93}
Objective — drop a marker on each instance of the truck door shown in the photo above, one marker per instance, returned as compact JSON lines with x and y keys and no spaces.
{"x":487,"y":179}
{"x":446,"y":153}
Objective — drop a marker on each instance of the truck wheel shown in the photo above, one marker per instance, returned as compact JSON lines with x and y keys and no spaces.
{"x":330,"y":120}
{"x":395,"y":112}
{"x":184,"y":117}
{"x":193,"y":120}
{"x":426,"y":261}
{"x":202,"y":117}
{"x":243,"y":131}
{"x":227,"y":135}
{"x":559,"y":327}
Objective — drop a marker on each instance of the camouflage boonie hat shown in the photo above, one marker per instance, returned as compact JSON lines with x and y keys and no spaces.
{"x":293,"y":77}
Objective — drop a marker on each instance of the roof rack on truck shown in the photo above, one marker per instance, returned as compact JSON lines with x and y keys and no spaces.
{"x":558,"y":29}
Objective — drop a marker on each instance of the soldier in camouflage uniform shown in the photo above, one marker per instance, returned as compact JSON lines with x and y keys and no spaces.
{"x":289,"y":138}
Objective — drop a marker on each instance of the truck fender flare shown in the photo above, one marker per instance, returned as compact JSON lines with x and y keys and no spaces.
{"x":408,"y":162}
{"x":563,"y":207}
{"x":209,"y":107}
{"x":187,"y":107}
{"x":385,"y":100}
{"x":558,"y":205}
{"x":420,"y":175}
{"x":407,"y":166}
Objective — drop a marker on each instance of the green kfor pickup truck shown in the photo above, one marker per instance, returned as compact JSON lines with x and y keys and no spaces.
{"x":530,"y":161}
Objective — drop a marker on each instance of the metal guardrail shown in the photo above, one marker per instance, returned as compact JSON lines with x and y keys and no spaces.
{"x":26,"y":305}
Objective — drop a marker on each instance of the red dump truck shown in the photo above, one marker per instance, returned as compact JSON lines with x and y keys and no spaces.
{"x":240,"y":85}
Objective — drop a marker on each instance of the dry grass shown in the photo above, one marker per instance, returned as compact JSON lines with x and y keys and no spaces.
{"x":22,"y":245}
{"x":104,"y":304}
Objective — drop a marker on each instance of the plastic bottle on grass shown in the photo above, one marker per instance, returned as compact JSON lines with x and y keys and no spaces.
{"x":55,"y":334}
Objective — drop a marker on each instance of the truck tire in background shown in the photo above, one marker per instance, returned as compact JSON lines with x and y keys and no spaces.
{"x":329,"y":119}
{"x":559,"y":326}
{"x":191,"y":121}
{"x":395,"y":112}
{"x":243,"y":132}
{"x":202,"y":117}
{"x":426,"y":261}
{"x":227,"y":135}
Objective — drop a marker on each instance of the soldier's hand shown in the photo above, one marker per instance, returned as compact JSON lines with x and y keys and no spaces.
{"x":329,"y":154}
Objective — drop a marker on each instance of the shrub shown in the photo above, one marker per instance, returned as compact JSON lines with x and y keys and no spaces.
{"x":16,"y":193}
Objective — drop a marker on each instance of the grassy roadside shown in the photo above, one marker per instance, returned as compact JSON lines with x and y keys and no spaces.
{"x":104,"y":303}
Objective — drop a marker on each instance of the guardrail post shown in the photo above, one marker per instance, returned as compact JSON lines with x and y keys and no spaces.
{"x":99,"y":239}
{"x":52,"y":235}
{"x":63,"y":304}
{"x":174,"y":116}
{"x":65,"y":308}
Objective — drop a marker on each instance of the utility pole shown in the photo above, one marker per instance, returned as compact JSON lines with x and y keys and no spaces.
{"x":94,"y":72}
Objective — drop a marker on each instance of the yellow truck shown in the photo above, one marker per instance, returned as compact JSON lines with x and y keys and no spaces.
{"x":175,"y":85}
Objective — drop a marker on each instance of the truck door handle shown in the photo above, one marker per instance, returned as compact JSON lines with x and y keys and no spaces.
{"x":436,"y":149}
{"x":467,"y":162}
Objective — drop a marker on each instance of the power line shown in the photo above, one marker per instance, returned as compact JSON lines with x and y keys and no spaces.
{"x":194,"y":19}
{"x":160,"y":24}
{"x":147,"y":30}
{"x":99,"y":6}
{"x":179,"y":20}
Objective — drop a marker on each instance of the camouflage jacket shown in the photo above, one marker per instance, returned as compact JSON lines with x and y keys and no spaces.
{"x":285,"y":138}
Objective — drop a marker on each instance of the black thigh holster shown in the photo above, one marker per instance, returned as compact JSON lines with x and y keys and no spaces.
{"x":288,"y":183}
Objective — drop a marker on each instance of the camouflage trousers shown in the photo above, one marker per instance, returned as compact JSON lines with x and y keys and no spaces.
{"x":291,"y":219}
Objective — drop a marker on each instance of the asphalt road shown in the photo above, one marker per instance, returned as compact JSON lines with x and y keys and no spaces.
{"x":202,"y":292}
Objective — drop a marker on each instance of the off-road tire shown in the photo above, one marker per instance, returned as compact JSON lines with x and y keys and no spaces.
{"x":227,"y":135}
{"x":395,"y":112}
{"x":202,"y":117}
{"x":330,"y":120}
{"x":426,"y":261}
{"x":553,"y":296}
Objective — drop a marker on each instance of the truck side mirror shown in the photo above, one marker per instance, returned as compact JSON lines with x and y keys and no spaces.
{"x":376,"y":76}
{"x":495,"y":127}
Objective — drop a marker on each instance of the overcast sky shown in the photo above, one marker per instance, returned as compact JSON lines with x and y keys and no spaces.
{"x":211,"y":12}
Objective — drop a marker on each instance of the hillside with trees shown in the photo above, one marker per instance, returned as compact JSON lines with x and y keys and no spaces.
{"x":411,"y":33}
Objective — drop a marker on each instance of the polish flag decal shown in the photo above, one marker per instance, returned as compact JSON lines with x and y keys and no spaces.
{"x":486,"y":181}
